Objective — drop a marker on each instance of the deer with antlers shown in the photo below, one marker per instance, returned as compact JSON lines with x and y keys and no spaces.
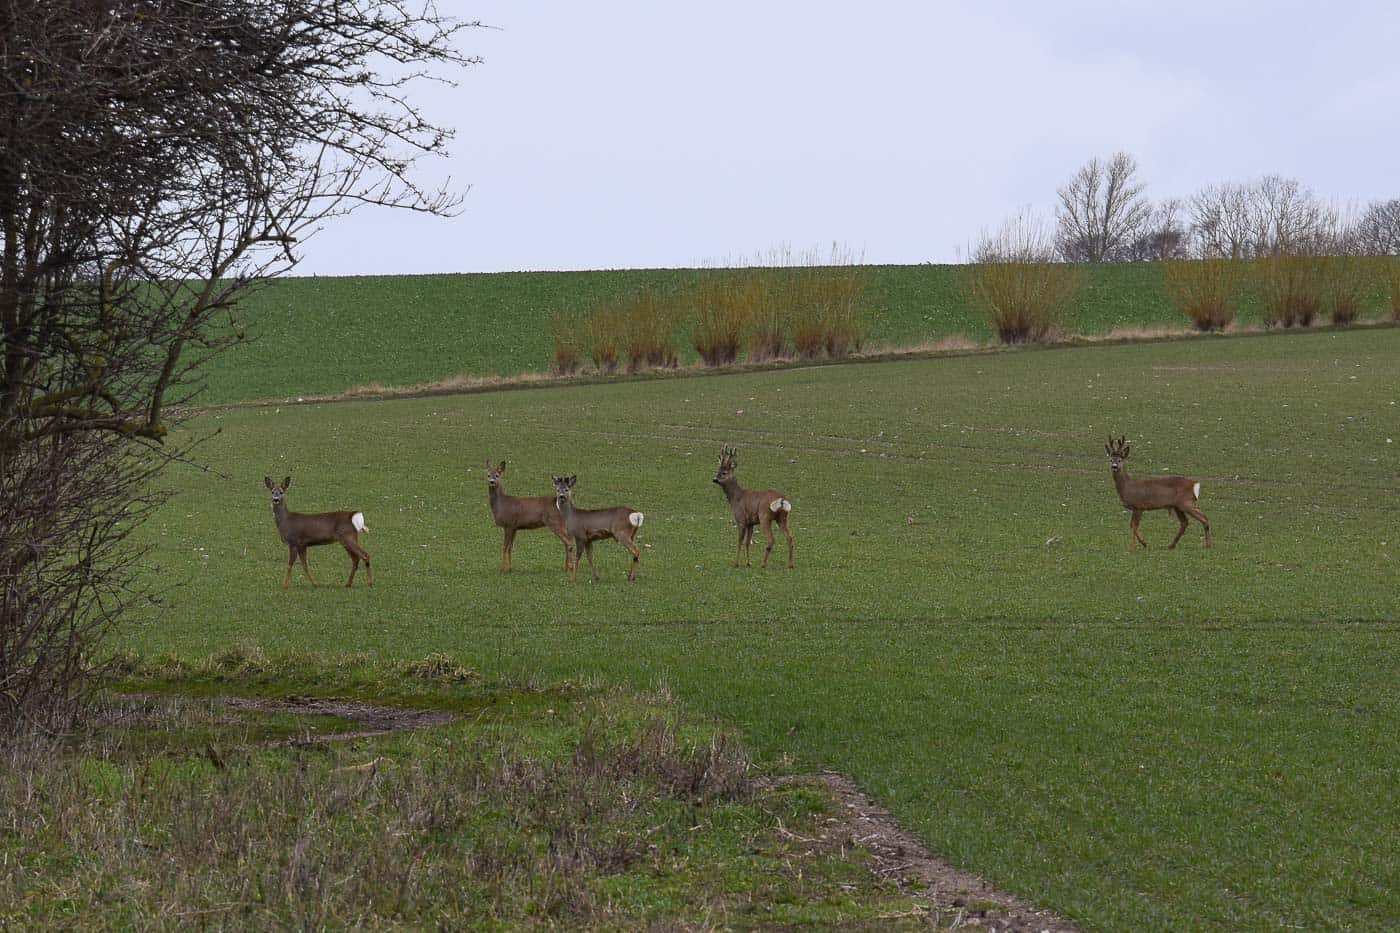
{"x":621,"y":523}
{"x":300,"y":531}
{"x":752,"y":507}
{"x":521,"y":513}
{"x":1178,"y":493}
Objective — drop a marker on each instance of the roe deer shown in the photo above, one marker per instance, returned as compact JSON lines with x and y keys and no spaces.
{"x":585,"y":526}
{"x":1178,"y":493}
{"x":752,"y":507}
{"x":521,"y":513}
{"x":300,"y":531}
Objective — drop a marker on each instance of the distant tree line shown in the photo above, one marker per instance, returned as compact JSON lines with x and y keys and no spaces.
{"x":1103,"y":214}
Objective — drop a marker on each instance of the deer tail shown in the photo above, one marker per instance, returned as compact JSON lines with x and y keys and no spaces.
{"x":636,"y":519}
{"x":358,"y":520}
{"x":780,"y":505}
{"x":1196,"y":489}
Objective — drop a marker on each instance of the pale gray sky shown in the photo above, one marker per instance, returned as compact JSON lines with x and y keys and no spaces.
{"x":609,"y":135}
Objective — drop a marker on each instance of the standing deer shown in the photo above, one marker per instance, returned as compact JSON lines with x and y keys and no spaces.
{"x":752,"y":507}
{"x":300,"y":531}
{"x":585,"y":526}
{"x":1178,"y":493}
{"x":521,"y":513}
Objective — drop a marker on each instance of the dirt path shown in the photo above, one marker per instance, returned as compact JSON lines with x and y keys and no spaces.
{"x":955,"y":896}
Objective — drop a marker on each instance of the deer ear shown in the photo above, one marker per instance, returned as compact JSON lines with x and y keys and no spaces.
{"x":502,"y":467}
{"x":287,"y":483}
{"x":488,"y":463}
{"x":573,"y":479}
{"x":267,"y":481}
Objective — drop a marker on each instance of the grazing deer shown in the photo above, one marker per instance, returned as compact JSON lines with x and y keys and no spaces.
{"x":588,"y":525}
{"x":752,"y":507}
{"x":521,"y":513}
{"x":300,"y":531}
{"x":1178,"y":493}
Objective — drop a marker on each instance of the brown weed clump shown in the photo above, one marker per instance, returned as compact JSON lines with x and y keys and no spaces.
{"x":607,"y":330}
{"x":649,"y":331}
{"x":1344,"y":285}
{"x":1017,"y":283}
{"x":1290,"y":289}
{"x":721,"y":319}
{"x":566,"y":330}
{"x":763,"y":295}
{"x":1205,"y":290}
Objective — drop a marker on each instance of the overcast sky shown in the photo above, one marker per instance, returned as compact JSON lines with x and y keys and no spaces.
{"x":609,"y":135}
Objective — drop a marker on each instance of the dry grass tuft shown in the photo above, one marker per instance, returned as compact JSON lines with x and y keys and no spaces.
{"x":721,"y":319}
{"x":1290,"y":289}
{"x":567,"y":333}
{"x":1344,"y":285}
{"x":1015,"y":281}
{"x":1205,"y":290}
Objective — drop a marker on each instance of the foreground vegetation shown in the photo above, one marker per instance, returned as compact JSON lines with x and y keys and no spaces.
{"x":1160,"y":739}
{"x":573,"y":806}
{"x":318,"y":336}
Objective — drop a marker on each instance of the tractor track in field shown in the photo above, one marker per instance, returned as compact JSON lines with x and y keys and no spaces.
{"x":854,"y":820}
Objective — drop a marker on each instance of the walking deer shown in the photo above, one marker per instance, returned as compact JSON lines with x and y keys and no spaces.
{"x":1178,"y":493}
{"x":521,"y":513}
{"x":300,"y":531}
{"x":752,"y":507}
{"x":585,"y":526}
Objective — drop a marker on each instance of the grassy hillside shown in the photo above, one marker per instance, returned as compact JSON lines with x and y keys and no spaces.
{"x":324,"y":335}
{"x":1160,"y":739}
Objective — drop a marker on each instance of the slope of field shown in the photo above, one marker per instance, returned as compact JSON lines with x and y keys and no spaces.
{"x":318,"y":336}
{"x":1160,"y":739}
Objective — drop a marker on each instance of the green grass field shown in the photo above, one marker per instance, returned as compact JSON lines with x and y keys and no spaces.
{"x":1160,"y":739}
{"x":319,"y":336}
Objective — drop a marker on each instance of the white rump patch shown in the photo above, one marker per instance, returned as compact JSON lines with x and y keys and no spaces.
{"x":1196,"y":490}
{"x":636,"y":519}
{"x":780,"y":505}
{"x":358,"y":520}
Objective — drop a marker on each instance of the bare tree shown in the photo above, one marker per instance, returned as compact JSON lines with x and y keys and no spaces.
{"x":1378,"y":230}
{"x":1101,"y":211}
{"x":160,"y":158}
{"x":1223,"y":221}
{"x":1164,"y":236}
{"x":1288,"y":218}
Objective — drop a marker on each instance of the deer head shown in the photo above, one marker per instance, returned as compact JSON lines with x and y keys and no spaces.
{"x":1117,"y":452}
{"x":563,"y":488}
{"x":728,"y":464}
{"x":493,"y":474}
{"x":277,"y":491}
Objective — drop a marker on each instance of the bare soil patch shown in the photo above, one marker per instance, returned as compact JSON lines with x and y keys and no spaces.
{"x":374,"y":720}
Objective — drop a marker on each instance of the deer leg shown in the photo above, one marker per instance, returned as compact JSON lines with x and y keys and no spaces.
{"x":357,"y":553}
{"x":291,"y":562}
{"x":1133,"y":536}
{"x":636,"y":552}
{"x":767,"y":523}
{"x":591,"y":566}
{"x":1199,"y":516}
{"x":562,"y":535}
{"x":301,"y":552}
{"x":1181,"y":517}
{"x":748,"y":543}
{"x":506,"y":545}
{"x":739,"y":548}
{"x":783,"y":524}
